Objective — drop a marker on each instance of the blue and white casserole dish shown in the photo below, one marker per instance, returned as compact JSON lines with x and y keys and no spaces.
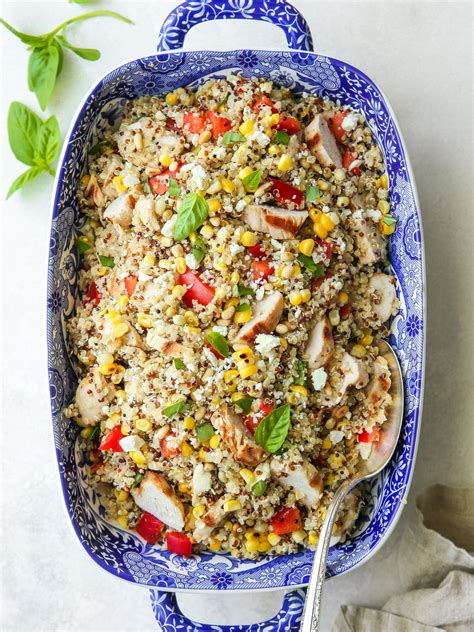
{"x":121,"y":552}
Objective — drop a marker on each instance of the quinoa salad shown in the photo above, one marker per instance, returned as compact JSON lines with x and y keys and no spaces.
{"x":233,"y":285}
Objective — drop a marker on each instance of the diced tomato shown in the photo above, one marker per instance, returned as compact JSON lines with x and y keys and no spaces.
{"x":327,"y":245}
{"x":347,"y":159}
{"x":252,"y":421}
{"x":289,"y":124}
{"x":286,"y":520}
{"x":111,"y":442}
{"x":167,"y":451}
{"x":261,"y":269}
{"x":262,"y":101}
{"x":220,"y":124}
{"x":264,"y":409}
{"x":130,"y":283}
{"x":93,"y":295}
{"x":257,"y":251}
{"x":345,"y":312}
{"x":284,"y":192}
{"x":336,"y":125}
{"x":194,"y":122}
{"x":370,"y":437}
{"x":159,"y":183}
{"x":197,"y":290}
{"x":179,"y":543}
{"x":266,"y":406}
{"x":315,"y":283}
{"x":149,"y":527}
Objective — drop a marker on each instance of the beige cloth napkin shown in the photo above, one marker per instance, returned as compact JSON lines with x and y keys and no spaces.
{"x":436,"y":568}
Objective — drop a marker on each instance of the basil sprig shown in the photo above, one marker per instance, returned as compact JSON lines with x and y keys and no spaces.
{"x":46,"y":58}
{"x":244,"y":291}
{"x":82,"y":245}
{"x":173,"y":188}
{"x":232,"y":137}
{"x":106,"y":261}
{"x":272,"y":431}
{"x":388,"y":220}
{"x":316,"y":269}
{"x":34,"y":142}
{"x":192,"y":213}
{"x":245,"y":403}
{"x":312,"y":193}
{"x":178,"y":363}
{"x":301,"y":372}
{"x":205,"y":431}
{"x":252,"y":181}
{"x":199,"y":249}
{"x":219,"y":343}
{"x":243,"y":307}
{"x":175,"y":408}
{"x":281,"y":138}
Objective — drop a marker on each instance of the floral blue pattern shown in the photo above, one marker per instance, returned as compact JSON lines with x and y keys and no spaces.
{"x":123,"y":553}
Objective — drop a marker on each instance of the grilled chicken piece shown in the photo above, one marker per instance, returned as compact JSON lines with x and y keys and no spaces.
{"x":234,"y":432}
{"x":155,"y":496}
{"x":279,"y":223}
{"x":322,"y":143}
{"x":169,"y":348}
{"x":267,"y":316}
{"x":300,"y":476}
{"x":92,"y":394}
{"x":320,"y":345}
{"x":133,"y":380}
{"x":370,"y":241}
{"x":350,"y":372}
{"x":214,"y":516}
{"x":94,"y":192}
{"x":120,"y":211}
{"x":379,"y":385}
{"x":383,"y":295}
{"x":144,"y":214}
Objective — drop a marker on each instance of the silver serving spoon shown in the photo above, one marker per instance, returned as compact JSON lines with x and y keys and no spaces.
{"x":381,"y":454}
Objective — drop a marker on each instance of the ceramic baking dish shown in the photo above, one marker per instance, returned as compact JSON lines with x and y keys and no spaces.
{"x":121,"y":552}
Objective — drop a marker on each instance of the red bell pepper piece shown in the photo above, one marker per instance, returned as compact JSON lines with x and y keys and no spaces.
{"x":370,"y":437}
{"x":284,"y":192}
{"x":149,"y":527}
{"x":264,"y":409}
{"x":93,"y":295}
{"x":194,"y":122}
{"x":167,"y":451}
{"x":262,"y":101}
{"x":257,"y":251}
{"x":197,"y":290}
{"x":179,"y":543}
{"x":286,"y":520}
{"x":110,"y":443}
{"x":336,"y":126}
{"x":289,"y":124}
{"x":261,"y":269}
{"x":131,"y":283}
{"x":159,"y":184}
{"x":347,"y":159}
{"x":345,"y":311}
{"x":220,"y":124}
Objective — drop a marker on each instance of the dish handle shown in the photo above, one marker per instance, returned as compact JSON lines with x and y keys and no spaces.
{"x":171,"y":619}
{"x":192,"y":12}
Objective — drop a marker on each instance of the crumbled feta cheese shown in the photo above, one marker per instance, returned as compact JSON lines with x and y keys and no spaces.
{"x":201,"y":480}
{"x":191,"y":261}
{"x":374,"y":214}
{"x":260,"y":138}
{"x":241,"y":204}
{"x":264,"y":343}
{"x":350,"y":121}
{"x":359,"y":214}
{"x":276,"y":244}
{"x":210,"y":356}
{"x":319,"y":378}
{"x":220,"y":153}
{"x":365,"y":449}
{"x":260,"y":293}
{"x":168,"y":227}
{"x":199,"y":177}
{"x":130,"y":443}
{"x":220,"y":329}
{"x":235,"y":248}
{"x":142,"y":276}
{"x":130,"y":178}
{"x":336,"y":436}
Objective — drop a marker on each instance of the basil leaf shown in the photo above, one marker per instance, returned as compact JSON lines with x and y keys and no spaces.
{"x":49,"y":140}
{"x":199,"y":249}
{"x":23,"y":131}
{"x":244,"y":291}
{"x":98,"y":147}
{"x":173,"y":188}
{"x":82,"y":245}
{"x":301,"y":370}
{"x":389,"y":220}
{"x":316,"y":269}
{"x":106,"y":261}
{"x":205,"y":431}
{"x":233,"y":137}
{"x":259,"y":488}
{"x":272,"y":431}
{"x":25,"y":177}
{"x":91,"y":54}
{"x":95,"y":431}
{"x":312,"y":193}
{"x":245,"y":403}
{"x":219,"y":343}
{"x":243,"y":307}
{"x":137,"y":481}
{"x":252,"y":181}
{"x":30,"y":40}
{"x":177,"y":407}
{"x":281,"y":137}
{"x":192,"y":213}
{"x":146,"y":187}
{"x":178,"y":363}
{"x":42,"y":72}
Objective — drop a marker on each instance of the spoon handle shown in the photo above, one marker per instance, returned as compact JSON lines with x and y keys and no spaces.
{"x":311,"y":612}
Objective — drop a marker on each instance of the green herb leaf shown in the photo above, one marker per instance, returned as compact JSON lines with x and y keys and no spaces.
{"x":272,"y":431}
{"x":25,"y":177}
{"x":97,"y":148}
{"x":312,"y":193}
{"x":205,"y":431}
{"x":281,"y":138}
{"x":23,"y":132}
{"x":252,"y":181}
{"x":146,"y":187}
{"x":232,"y":137}
{"x":137,"y":481}
{"x":30,"y":40}
{"x":91,"y":54}
{"x":177,"y":407}
{"x":389,"y":220}
{"x":82,"y":245}
{"x":199,"y":249}
{"x":42,"y":72}
{"x":49,"y":140}
{"x":173,"y":188}
{"x":219,"y":343}
{"x":259,"y":488}
{"x":301,"y":372}
{"x":316,"y":269}
{"x":192,"y":213}
{"x":80,"y":1}
{"x":224,"y":100}
{"x":245,"y":403}
{"x":95,"y":431}
{"x":178,"y":363}
{"x":244,"y":291}
{"x":243,"y":307}
{"x":106,"y":261}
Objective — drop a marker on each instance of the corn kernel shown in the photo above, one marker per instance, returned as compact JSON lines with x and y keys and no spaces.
{"x":215,"y":544}
{"x":388,"y":229}
{"x":342,"y":201}
{"x":244,"y":353}
{"x":264,"y":547}
{"x":247,"y":371}
{"x":283,"y":343}
{"x":229,"y":376}
{"x":327,"y":443}
{"x":232,"y":302}
{"x":138,"y":457}
{"x":250,"y":535}
{"x":144,"y":320}
{"x":232,"y":505}
{"x":198,"y":511}
{"x":165,"y":160}
{"x":273,"y":149}
{"x":247,"y":475}
{"x":171,"y":98}
{"x":306,"y":246}
{"x":343,"y":298}
{"x":214,"y":441}
{"x":298,"y":536}
{"x":189,"y":423}
{"x":177,"y":291}
{"x":330,"y":478}
{"x":121,"y":394}
{"x":228,"y":525}
{"x":186,"y":449}
{"x":272,"y":120}
{"x":320,"y":231}
{"x":295,"y":298}
{"x":144,"y":425}
{"x":120,"y":329}
{"x":243,"y":317}
{"x":384,"y":207}
{"x":327,"y":222}
{"x":214,"y":205}
{"x":227,"y":185}
{"x":86,"y":432}
{"x":105,"y":358}
{"x":122,"y":300}
{"x":382,"y":182}
{"x":252,"y":546}
{"x":246,"y":128}
{"x":285,"y":163}
{"x":234,"y":278}
{"x":180,"y":263}
{"x":273,"y":538}
{"x":123,"y":521}
{"x":207,"y":231}
{"x":85,"y":180}
{"x":334,"y":317}
{"x":301,"y":390}
{"x":313,"y":538}
{"x":121,"y":495}
{"x":246,"y":171}
{"x":248,"y":239}
{"x":183,"y":488}
{"x":149,"y":260}
{"x":295,"y":271}
{"x":119,"y":185}
{"x":367,"y":340}
{"x":305,"y":295}
{"x":335,"y":461}
{"x":358,"y":351}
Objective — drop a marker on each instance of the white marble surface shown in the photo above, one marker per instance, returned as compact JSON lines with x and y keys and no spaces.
{"x":419,"y":53}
